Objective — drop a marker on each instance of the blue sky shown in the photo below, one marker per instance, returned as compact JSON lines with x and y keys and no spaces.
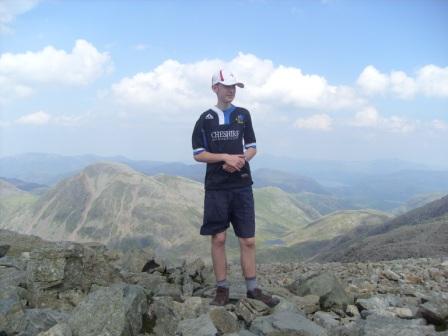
{"x":348,"y":80}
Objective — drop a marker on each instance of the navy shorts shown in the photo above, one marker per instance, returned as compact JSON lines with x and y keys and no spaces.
{"x":225,"y":206}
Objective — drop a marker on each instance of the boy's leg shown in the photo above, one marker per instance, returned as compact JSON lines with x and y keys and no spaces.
{"x":219,"y":256}
{"x":220,"y":268}
{"x":247,"y":257}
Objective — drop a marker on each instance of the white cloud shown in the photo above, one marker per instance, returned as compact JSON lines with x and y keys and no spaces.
{"x":173,"y":88}
{"x":370,"y":118}
{"x":439,"y":124}
{"x":321,"y":122}
{"x":36,"y":118}
{"x":141,"y":46}
{"x":372,"y":81}
{"x":10,"y":90}
{"x":40,"y":118}
{"x":430,"y":80}
{"x":54,"y":66}
{"x":9,"y":9}
{"x":433,"y":80}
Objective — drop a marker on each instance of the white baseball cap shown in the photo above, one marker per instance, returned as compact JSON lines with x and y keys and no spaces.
{"x":226,"y":78}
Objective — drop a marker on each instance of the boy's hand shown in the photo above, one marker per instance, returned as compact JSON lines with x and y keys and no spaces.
{"x":235,"y":161}
{"x":228,"y":169}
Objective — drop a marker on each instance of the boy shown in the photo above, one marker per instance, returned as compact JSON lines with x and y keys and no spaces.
{"x":218,"y":138}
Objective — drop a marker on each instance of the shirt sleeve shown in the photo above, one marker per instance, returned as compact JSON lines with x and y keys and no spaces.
{"x":198,"y":138}
{"x":249,"y":134}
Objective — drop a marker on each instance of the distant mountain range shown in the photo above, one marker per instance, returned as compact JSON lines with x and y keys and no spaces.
{"x":422,"y":232}
{"x":113,"y":204}
{"x":327,"y":186}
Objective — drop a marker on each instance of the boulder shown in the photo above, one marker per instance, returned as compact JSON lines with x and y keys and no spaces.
{"x":116,"y":310}
{"x":201,"y":326}
{"x":327,"y":287}
{"x":286,"y":323}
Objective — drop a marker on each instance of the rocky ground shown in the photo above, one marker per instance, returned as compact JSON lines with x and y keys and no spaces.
{"x":66,"y":288}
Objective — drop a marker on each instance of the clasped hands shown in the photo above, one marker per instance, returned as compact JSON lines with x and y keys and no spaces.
{"x":234,"y":163}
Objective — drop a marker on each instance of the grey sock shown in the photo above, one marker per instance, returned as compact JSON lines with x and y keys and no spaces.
{"x":251,"y":283}
{"x":222,"y":283}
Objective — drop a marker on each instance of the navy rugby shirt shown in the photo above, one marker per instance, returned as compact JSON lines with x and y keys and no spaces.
{"x":229,"y":131}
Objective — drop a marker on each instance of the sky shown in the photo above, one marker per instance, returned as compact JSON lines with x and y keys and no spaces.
{"x":328,"y":80}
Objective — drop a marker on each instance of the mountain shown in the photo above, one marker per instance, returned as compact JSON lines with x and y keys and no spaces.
{"x":422,"y":232}
{"x":288,"y":182}
{"x":32,"y":187}
{"x":13,"y":201}
{"x":418,"y":201}
{"x":113,"y":204}
{"x":386,"y":192}
{"x":314,"y":237}
{"x":326,"y":204}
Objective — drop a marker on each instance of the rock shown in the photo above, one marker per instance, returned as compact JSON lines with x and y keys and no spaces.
{"x":11,"y":312}
{"x":65,"y":266}
{"x":135,"y":260}
{"x":249,"y":309}
{"x":435,"y":312}
{"x":191,"y":308}
{"x":162,"y":316}
{"x":60,"y":329}
{"x":326,"y":320}
{"x":286,"y":323}
{"x":309,"y":304}
{"x":194,"y":268}
{"x":116,"y":310}
{"x":388,"y":274}
{"x":352,"y":311}
{"x":327,"y":287}
{"x":201,"y":326}
{"x":224,"y":321}
{"x":37,"y":320}
{"x":376,"y":325}
{"x":20,"y":243}
{"x":4,"y":249}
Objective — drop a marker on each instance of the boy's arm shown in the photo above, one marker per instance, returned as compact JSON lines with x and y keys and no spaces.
{"x":235,"y":161}
{"x":250,"y":153}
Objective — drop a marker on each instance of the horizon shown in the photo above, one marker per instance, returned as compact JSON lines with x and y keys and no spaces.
{"x":332,"y":80}
{"x":254,"y":163}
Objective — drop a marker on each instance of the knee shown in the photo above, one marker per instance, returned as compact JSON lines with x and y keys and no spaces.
{"x":219,"y":240}
{"x":248,"y":243}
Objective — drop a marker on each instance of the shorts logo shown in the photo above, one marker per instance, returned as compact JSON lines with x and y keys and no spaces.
{"x":209,"y":116}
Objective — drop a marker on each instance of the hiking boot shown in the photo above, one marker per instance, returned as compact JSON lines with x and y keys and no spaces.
{"x":257,"y":294}
{"x":221,"y":297}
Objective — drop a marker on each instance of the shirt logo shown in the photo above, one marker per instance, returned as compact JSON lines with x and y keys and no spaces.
{"x":240,"y":119}
{"x":209,"y":116}
{"x":225,"y":135}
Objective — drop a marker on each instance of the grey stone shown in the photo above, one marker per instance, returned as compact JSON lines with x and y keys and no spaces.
{"x":326,"y":320}
{"x":60,"y":329}
{"x":435,"y":311}
{"x":4,"y":249}
{"x":162,"y":316}
{"x":37,"y":320}
{"x":65,"y":266}
{"x":223,"y":320}
{"x":134,"y":260}
{"x":116,"y":310}
{"x":286,"y":323}
{"x":376,"y":325}
{"x":201,"y":326}
{"x":11,"y":314}
{"x":249,"y":309}
{"x":194,"y":268}
{"x":327,"y":287}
